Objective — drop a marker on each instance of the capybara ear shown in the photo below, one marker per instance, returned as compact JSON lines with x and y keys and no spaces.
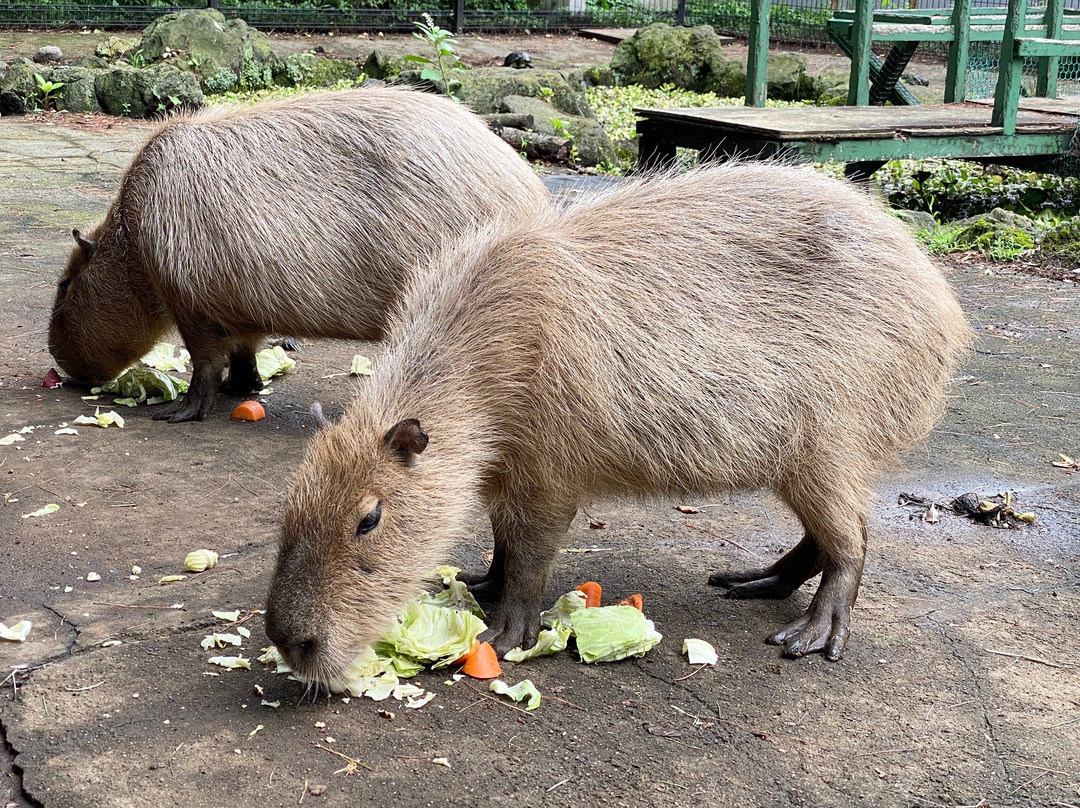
{"x":89,"y":246}
{"x":406,"y":438}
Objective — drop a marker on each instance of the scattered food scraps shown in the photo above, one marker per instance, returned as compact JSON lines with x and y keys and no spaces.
{"x":441,"y":762}
{"x":66,"y":431}
{"x":932,"y":516}
{"x":228,"y":617}
{"x":481,"y":662}
{"x":92,"y":577}
{"x":102,"y":419}
{"x":687,"y":509}
{"x":200,"y":560}
{"x":611,"y":633}
{"x":249,"y":411}
{"x":17,"y":632}
{"x":111,"y":643}
{"x":592,"y":591}
{"x":231,"y":662}
{"x":699,"y":652}
{"x":171,"y":579}
{"x":548,"y":641}
{"x":416,"y":702}
{"x":138,"y":384}
{"x":274,"y":704}
{"x":216,"y":640}
{"x":14,"y":437}
{"x":361,"y":366}
{"x":52,"y":507}
{"x":524,"y":689}
{"x":994,"y":511}
{"x":258,"y":728}
{"x":633,"y":600}
{"x":161,"y":358}
{"x":52,"y":379}
{"x":243,"y":632}
{"x":273,"y":362}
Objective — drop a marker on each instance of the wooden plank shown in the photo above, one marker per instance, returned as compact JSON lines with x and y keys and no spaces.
{"x":956,"y":68}
{"x":861,"y":33}
{"x":756,"y":61}
{"x":1065,"y":105}
{"x":1046,"y":47}
{"x":1010,"y":69}
{"x":1046,"y":84}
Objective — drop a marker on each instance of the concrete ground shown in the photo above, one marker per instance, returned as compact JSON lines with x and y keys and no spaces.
{"x":960,"y":686}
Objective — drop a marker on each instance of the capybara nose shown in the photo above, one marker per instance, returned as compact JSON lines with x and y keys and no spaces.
{"x":304,"y":650}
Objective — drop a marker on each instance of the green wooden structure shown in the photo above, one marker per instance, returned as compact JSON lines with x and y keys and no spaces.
{"x":864,"y":134}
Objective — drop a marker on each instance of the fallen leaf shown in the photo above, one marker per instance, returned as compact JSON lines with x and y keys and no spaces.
{"x":361,"y":366}
{"x":932,"y":516}
{"x":52,"y":507}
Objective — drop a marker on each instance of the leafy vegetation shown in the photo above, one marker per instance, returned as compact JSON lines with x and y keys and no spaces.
{"x":47,"y":91}
{"x":446,"y":64}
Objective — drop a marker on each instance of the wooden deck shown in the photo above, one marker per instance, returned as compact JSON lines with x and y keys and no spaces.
{"x":859,"y":135}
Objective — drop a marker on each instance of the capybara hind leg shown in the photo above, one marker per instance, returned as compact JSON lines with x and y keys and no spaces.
{"x":840,"y":529}
{"x":205,"y":343}
{"x":531,"y":545}
{"x":776,"y":581}
{"x":488,"y":586}
{"x":243,"y":371}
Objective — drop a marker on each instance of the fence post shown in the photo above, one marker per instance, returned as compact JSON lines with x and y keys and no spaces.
{"x":211,"y":3}
{"x":459,"y":16}
{"x":680,"y":14}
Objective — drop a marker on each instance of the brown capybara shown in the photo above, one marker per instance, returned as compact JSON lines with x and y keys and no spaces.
{"x":299,"y":217}
{"x":738,"y":327}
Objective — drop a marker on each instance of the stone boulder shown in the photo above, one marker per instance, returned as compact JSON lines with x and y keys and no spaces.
{"x":222,"y":53}
{"x":146,"y":92}
{"x":1063,"y":241}
{"x":484,"y":88}
{"x":592,"y":146}
{"x":309,"y":70}
{"x":18,"y":89}
{"x":79,"y":93}
{"x":381,"y":65}
{"x":917,"y":220}
{"x":688,"y":58}
{"x":48,"y":55}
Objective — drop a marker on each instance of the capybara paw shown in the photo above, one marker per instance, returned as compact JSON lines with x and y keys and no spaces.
{"x":240,"y":385}
{"x":187,"y":408}
{"x":771,"y":587}
{"x":727,"y":578}
{"x":820,"y":629}
{"x":512,"y":632}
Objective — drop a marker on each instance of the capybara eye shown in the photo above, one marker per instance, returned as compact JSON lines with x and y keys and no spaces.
{"x":369,"y":522}
{"x":62,"y":287}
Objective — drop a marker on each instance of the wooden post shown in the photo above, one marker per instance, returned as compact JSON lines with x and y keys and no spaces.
{"x":1048,"y":65}
{"x":211,"y":3}
{"x":757,"y":60}
{"x":956,"y":71}
{"x":680,"y":14}
{"x":459,"y":16}
{"x":861,"y":32}
{"x":1010,"y":70}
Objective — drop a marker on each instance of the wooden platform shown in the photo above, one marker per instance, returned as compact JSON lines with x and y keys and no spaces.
{"x":1063,"y":105}
{"x":859,"y":135}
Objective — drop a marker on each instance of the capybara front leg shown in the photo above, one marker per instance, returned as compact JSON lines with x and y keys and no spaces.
{"x":825,"y":625}
{"x":205,"y":343}
{"x":243,"y":371}
{"x":488,"y":586}
{"x":531,"y":546}
{"x":776,"y":581}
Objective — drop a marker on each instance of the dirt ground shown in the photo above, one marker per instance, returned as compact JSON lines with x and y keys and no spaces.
{"x":960,"y":686}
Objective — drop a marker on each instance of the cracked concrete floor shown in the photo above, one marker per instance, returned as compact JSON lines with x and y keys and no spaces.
{"x":961,"y":681}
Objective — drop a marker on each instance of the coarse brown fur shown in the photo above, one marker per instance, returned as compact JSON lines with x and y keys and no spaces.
{"x":738,"y":327}
{"x":301,"y":217}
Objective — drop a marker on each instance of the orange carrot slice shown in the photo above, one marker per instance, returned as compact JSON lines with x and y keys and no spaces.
{"x":249,"y":411}
{"x":592,"y":592}
{"x":482,"y":663}
{"x":633,"y":600}
{"x":465,"y":657}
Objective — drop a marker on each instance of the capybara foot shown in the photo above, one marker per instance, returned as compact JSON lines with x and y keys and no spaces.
{"x":239,"y":384}
{"x":513,"y":627}
{"x":486,"y":589}
{"x":190,"y":407}
{"x":762,"y":586}
{"x":825,"y":625}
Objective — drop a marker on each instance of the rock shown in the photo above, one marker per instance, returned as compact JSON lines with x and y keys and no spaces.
{"x":1000,"y":217}
{"x":381,"y":65}
{"x":309,"y":70}
{"x":79,"y":93}
{"x":48,"y":55}
{"x":1063,"y":241}
{"x":592,"y":145}
{"x":484,"y":88}
{"x":202,"y":42}
{"x":599,"y":76}
{"x":18,"y":90}
{"x":1000,"y":234}
{"x":93,"y":62}
{"x":116,"y":47}
{"x":917,"y":220}
{"x":660,"y":54}
{"x":786,"y":77}
{"x":143,"y":93}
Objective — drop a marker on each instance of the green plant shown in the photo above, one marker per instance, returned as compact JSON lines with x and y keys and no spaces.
{"x":561,"y":129}
{"x":446,"y":63}
{"x":47,"y":89}
{"x":136,"y":59}
{"x":545,"y":92}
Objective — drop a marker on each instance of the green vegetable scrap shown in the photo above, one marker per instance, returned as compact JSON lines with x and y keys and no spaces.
{"x":432,"y":634}
{"x":138,"y":384}
{"x":548,"y":641}
{"x":456,"y":594}
{"x":273,"y":362}
{"x":102,"y":419}
{"x":161,"y":357}
{"x":611,"y":633}
{"x":562,"y":609}
{"x":519,"y":692}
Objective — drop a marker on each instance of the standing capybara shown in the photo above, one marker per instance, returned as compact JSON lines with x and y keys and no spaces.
{"x":743,"y":326}
{"x":300,"y":217}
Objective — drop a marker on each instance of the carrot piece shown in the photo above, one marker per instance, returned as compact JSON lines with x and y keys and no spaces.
{"x":592,"y":592}
{"x":633,"y":600}
{"x":249,"y":411}
{"x":482,"y":663}
{"x":465,"y":657}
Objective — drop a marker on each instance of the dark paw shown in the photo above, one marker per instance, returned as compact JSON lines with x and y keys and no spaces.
{"x":512,"y":630}
{"x":185,"y":408}
{"x":240,"y":384}
{"x":756,"y":584}
{"x":820,"y":629}
{"x":484,"y":586}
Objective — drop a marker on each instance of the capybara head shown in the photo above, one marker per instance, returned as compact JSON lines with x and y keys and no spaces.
{"x":100,"y":324}
{"x":360,"y":533}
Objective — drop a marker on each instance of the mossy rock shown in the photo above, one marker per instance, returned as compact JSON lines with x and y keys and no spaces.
{"x":996,"y":239}
{"x":79,"y":93}
{"x":19,"y":92}
{"x":1063,"y":241}
{"x":786,"y":76}
{"x":999,"y":217}
{"x":116,"y":47}
{"x":688,"y":58}
{"x":599,"y":76}
{"x":382,"y":65}
{"x":146,"y":92}
{"x":592,"y":146}
{"x":830,"y":84}
{"x":309,"y":70}
{"x":207,"y":45}
{"x":917,"y":220}
{"x":484,"y":89}
{"x":93,"y":62}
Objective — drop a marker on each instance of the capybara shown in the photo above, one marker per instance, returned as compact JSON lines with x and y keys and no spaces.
{"x":299,"y":217}
{"x":738,"y":327}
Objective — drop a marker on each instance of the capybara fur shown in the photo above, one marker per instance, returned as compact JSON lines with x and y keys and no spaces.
{"x":301,"y":217}
{"x":738,"y":327}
